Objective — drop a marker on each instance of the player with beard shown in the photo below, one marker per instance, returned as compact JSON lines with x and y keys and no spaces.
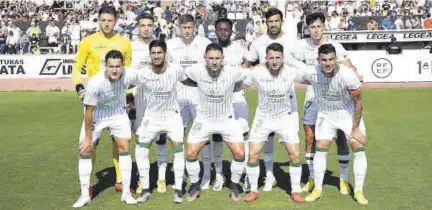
{"x":257,"y":52}
{"x":306,"y":51}
{"x":233,"y":56}
{"x":188,"y":50}
{"x":141,"y":60}
{"x":215,"y":115}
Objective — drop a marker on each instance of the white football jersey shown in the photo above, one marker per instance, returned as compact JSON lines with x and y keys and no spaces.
{"x":306,"y":51}
{"x":140,"y":54}
{"x":332,"y":93}
{"x":234,"y":54}
{"x":275,"y":93}
{"x":215,"y":94}
{"x":187,"y":55}
{"x":140,"y":60}
{"x":110,"y":97}
{"x":257,"y":50}
{"x":160,"y":91}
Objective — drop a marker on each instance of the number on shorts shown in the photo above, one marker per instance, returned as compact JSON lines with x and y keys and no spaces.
{"x":258,"y":124}
{"x":197,"y":126}
{"x":93,"y":126}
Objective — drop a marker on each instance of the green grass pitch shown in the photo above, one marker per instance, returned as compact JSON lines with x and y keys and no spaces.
{"x":39,"y":132}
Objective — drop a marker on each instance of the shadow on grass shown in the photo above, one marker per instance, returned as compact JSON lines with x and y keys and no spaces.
{"x":107,"y":177}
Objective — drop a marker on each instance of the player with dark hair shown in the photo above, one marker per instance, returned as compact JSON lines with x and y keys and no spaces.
{"x":162,"y":115}
{"x":257,"y":52}
{"x":188,"y":50}
{"x":91,"y":53}
{"x":275,"y":113}
{"x":338,"y":94}
{"x":141,"y":60}
{"x":234,"y":55}
{"x":306,"y":51}
{"x":104,"y":109}
{"x":215,"y":115}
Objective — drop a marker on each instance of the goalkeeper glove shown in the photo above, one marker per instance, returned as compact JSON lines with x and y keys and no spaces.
{"x":81,"y":91}
{"x":130,"y":106}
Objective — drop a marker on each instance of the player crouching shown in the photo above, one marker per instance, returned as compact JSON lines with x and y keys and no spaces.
{"x":340,"y":107}
{"x":162,"y":115}
{"x":275,"y":113}
{"x":104,"y":102}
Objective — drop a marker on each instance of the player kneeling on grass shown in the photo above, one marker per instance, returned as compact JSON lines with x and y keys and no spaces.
{"x":215,"y":115}
{"x":104,"y":102}
{"x":162,"y":115}
{"x":337,"y":89}
{"x":275,"y":113}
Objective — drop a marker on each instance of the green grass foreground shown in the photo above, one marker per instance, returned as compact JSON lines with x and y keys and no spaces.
{"x":39,"y":132}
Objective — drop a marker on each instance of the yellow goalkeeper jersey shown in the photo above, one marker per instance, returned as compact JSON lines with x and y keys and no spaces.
{"x":92,"y":51}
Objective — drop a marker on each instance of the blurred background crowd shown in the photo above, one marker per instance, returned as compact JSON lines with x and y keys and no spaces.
{"x":39,"y":26}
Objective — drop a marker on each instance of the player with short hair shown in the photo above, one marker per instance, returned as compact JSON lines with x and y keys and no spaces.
{"x":338,"y":94}
{"x":274,"y":113}
{"x":162,"y":115}
{"x":141,"y":60}
{"x":91,"y":53}
{"x":234,"y":56}
{"x":188,"y":50}
{"x":104,"y":102}
{"x":215,"y":115}
{"x":257,"y":52}
{"x":306,"y":50}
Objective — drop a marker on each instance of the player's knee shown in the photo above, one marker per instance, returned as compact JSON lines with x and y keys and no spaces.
{"x":253,"y":156}
{"x":191,"y":154}
{"x":295,"y":156}
{"x":162,"y":139}
{"x":217,"y":138}
{"x":238,"y":154}
{"x":123,"y":147}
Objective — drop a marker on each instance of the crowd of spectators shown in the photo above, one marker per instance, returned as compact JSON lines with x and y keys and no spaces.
{"x":30,"y":26}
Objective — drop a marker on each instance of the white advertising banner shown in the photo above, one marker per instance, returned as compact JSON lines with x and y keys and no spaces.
{"x":374,"y":65}
{"x":32,"y":66}
{"x":379,"y":66}
{"x":366,"y":36}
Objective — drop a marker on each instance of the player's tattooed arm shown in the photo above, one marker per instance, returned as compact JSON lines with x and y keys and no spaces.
{"x":356,"y":132}
{"x":189,"y":82}
{"x":357,"y":98}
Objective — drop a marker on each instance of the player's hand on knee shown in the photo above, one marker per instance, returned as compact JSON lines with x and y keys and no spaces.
{"x":86,"y":147}
{"x":358,"y":136}
{"x":80,"y":91}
